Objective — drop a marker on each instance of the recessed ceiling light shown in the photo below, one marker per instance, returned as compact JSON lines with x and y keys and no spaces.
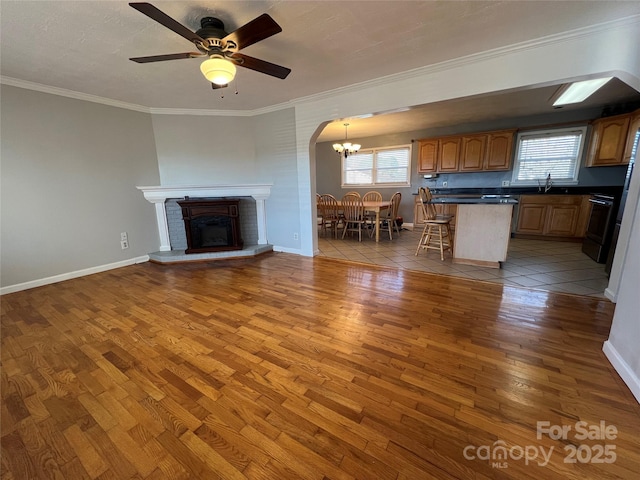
{"x":579,"y":91}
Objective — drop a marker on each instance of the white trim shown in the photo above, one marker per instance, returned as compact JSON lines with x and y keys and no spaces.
{"x":611,"y":295}
{"x":295,"y":251}
{"x":63,"y":92}
{"x":624,"y":370}
{"x":68,"y":276}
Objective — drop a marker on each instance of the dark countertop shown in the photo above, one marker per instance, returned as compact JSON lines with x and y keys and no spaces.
{"x":615,"y":191}
{"x":480,"y":200}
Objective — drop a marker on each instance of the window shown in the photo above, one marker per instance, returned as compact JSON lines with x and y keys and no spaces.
{"x":545,"y":153}
{"x":389,"y":166}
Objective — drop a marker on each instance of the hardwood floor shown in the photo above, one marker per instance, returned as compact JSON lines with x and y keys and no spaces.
{"x":286,"y":367}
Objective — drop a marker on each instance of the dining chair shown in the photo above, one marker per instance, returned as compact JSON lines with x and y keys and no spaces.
{"x":436,"y":234}
{"x":330,"y":212}
{"x":391,"y":214}
{"x":353,"y":214}
{"x":319,"y":210}
{"x":370,"y":217}
{"x":353,"y":193}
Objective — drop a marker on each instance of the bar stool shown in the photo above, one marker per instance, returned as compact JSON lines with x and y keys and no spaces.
{"x":436,"y":234}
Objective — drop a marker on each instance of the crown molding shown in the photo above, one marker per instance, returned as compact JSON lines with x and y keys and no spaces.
{"x":63,"y":92}
{"x":220,"y":113}
{"x":472,"y":58}
{"x":15,"y":82}
{"x":409,"y":74}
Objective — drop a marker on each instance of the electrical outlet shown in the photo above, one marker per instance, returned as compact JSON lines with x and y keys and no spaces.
{"x":444,"y":184}
{"x":124,"y":244}
{"x":505,"y":183}
{"x":295,"y":236}
{"x":124,"y":237}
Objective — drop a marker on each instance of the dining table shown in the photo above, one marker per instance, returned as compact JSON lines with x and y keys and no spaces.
{"x":375,"y":207}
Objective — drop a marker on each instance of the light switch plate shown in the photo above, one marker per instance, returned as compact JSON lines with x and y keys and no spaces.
{"x":505,"y":183}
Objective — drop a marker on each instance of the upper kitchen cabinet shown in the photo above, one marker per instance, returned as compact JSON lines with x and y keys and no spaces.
{"x":608,"y":140}
{"x":475,"y":152}
{"x":472,"y":153}
{"x":499,"y":150}
{"x":427,"y":156}
{"x":449,"y":154}
{"x":634,"y":127}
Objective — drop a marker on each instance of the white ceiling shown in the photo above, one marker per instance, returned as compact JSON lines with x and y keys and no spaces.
{"x":85,"y":46}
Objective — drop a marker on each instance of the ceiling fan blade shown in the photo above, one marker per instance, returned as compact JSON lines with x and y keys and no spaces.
{"x":164,"y":19}
{"x":170,"y":56}
{"x":262,"y":66}
{"x":215,"y":86}
{"x":257,"y":29}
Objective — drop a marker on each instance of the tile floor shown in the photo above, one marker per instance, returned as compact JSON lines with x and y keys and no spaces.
{"x":537,"y":264}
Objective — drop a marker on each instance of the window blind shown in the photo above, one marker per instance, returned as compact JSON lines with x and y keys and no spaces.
{"x":383,"y":166}
{"x":555,"y":153}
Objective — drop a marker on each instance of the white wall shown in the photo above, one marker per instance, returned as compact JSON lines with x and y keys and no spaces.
{"x":205,"y":150}
{"x":624,"y":338}
{"x":276,"y":163}
{"x":69,"y":172}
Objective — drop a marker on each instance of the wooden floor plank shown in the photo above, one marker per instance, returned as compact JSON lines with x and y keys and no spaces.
{"x":285,"y":367}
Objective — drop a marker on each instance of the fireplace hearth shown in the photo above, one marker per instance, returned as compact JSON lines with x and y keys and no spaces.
{"x":211,"y":224}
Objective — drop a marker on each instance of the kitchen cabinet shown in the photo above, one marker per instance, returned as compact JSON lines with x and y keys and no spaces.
{"x":476,"y":152}
{"x":472,"y":153}
{"x":449,"y":154}
{"x":427,"y":156}
{"x":608,"y":140}
{"x":553,"y":215}
{"x":634,"y":126}
{"x":499,"y":150}
{"x":531,"y":218}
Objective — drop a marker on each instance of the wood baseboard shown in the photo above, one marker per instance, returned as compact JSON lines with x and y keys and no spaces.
{"x":478,"y":263}
{"x":527,"y":236}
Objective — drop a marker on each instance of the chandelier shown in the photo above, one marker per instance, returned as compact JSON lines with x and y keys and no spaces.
{"x":347,"y":147}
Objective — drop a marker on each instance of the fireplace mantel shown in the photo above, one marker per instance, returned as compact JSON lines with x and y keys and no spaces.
{"x":158,"y":196}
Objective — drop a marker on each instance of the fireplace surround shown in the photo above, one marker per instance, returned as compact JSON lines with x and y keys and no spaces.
{"x":158,"y":196}
{"x":211,"y":225}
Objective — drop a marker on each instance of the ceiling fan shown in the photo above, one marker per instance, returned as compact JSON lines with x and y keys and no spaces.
{"x":219,"y":47}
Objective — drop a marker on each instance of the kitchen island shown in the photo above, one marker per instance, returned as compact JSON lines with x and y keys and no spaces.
{"x":483,"y":228}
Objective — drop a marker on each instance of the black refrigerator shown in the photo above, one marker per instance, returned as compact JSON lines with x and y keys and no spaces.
{"x":623,"y":200}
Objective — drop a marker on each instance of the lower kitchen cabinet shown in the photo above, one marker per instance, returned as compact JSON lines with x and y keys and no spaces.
{"x":553,"y":215}
{"x":531,"y":218}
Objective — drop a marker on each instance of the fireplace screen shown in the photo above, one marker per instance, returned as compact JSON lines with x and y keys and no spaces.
{"x":211,"y":225}
{"x":211,"y":232}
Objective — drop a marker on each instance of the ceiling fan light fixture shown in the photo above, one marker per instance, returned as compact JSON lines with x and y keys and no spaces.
{"x":218,"y":70}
